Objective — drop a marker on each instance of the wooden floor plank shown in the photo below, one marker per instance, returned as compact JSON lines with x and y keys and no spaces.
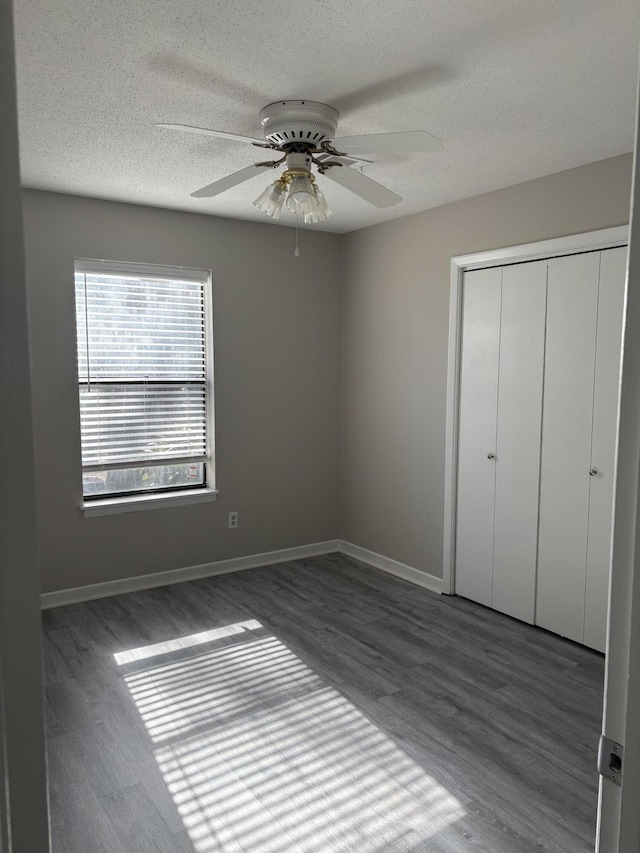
{"x":78,"y":822}
{"x":139,"y":825}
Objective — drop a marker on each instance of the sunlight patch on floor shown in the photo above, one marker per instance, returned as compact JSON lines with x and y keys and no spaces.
{"x":261,"y":754}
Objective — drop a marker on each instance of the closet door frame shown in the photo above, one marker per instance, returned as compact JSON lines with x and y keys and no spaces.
{"x":591,"y":241}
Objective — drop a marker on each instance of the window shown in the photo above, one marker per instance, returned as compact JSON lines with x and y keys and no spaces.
{"x":145,"y":379}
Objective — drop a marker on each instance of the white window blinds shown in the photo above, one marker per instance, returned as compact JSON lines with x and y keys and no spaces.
{"x":142,"y":369}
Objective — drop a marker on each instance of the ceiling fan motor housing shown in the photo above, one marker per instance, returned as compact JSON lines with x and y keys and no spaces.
{"x":304,"y":123}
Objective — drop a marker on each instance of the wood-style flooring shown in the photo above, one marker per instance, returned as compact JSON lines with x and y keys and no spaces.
{"x":318,"y":706}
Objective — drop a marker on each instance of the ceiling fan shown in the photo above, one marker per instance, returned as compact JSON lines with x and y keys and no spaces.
{"x":304,"y":133}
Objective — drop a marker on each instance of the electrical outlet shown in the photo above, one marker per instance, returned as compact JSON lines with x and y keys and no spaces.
{"x":233,"y":520}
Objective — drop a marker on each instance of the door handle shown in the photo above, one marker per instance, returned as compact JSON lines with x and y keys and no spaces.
{"x":491,"y":456}
{"x":593,"y":472}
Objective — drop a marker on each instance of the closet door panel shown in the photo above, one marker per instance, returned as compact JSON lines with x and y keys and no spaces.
{"x":603,"y":447}
{"x":572,"y":301}
{"x":477,"y":433}
{"x":522,"y":333}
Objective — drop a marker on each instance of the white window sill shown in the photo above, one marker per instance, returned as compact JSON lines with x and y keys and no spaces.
{"x":134,"y":503}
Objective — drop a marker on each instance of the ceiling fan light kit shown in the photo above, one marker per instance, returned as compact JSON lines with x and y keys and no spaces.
{"x":304,"y":133}
{"x":297,"y":188}
{"x":301,"y":195}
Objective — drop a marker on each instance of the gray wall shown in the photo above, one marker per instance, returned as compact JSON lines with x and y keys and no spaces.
{"x":330,"y":371}
{"x":394,"y":328}
{"x":276,"y":320}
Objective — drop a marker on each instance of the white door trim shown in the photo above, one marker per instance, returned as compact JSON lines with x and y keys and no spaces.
{"x":24,"y":821}
{"x":618,"y":816}
{"x":590,"y":241}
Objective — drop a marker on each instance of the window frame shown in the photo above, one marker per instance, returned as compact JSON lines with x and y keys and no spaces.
{"x":157,"y":498}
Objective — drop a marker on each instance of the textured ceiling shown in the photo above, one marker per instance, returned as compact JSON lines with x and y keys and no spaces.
{"x":515,"y":89}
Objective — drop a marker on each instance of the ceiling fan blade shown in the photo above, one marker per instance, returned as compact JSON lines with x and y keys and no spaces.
{"x":362,"y":185}
{"x":206,"y":131}
{"x":404,"y":142}
{"x":346,"y":161}
{"x":230,"y":181}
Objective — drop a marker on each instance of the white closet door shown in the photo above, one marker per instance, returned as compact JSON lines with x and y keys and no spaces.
{"x":603,"y":447}
{"x":477,"y":433}
{"x":572,"y":302}
{"x":522,"y":332}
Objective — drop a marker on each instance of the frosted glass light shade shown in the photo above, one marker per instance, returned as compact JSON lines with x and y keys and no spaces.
{"x":321,"y":211}
{"x":302,"y":195}
{"x":324,"y":211}
{"x":271,"y":200}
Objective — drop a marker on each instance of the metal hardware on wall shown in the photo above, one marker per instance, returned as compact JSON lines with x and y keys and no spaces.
{"x":610,"y":759}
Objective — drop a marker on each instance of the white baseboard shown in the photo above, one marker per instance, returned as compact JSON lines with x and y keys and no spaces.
{"x":392,"y":567}
{"x":77,"y":594}
{"x":188,"y":573}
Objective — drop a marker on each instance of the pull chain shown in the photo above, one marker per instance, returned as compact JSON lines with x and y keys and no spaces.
{"x":297,"y":250}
